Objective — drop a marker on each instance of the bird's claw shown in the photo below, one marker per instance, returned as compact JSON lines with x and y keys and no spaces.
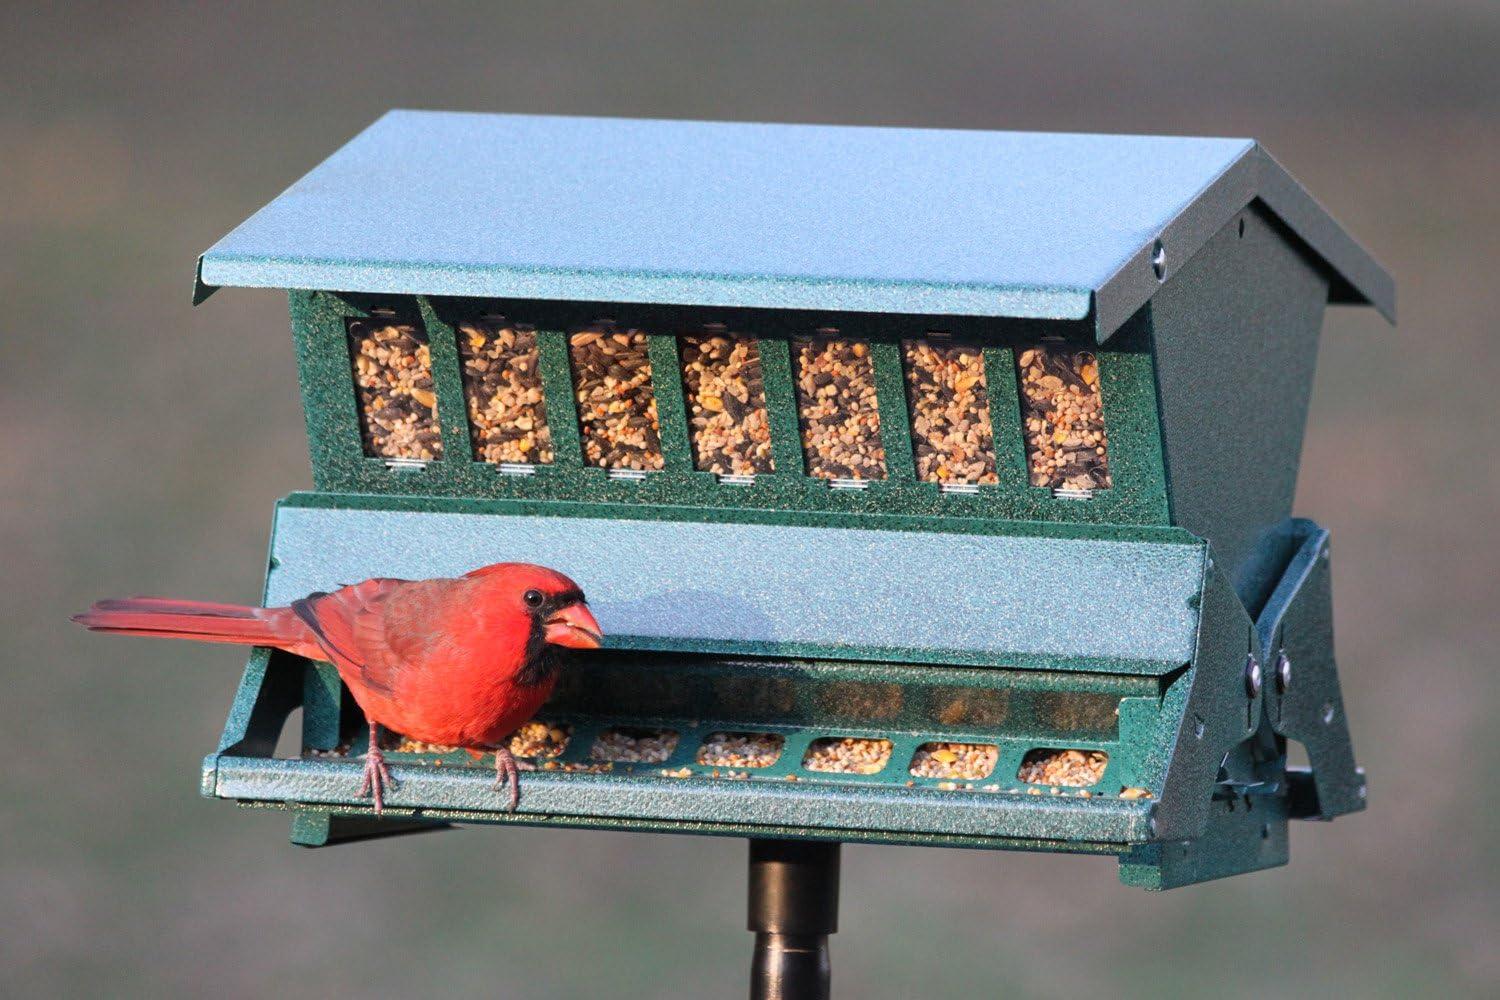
{"x":508,"y":775}
{"x":377,"y":779}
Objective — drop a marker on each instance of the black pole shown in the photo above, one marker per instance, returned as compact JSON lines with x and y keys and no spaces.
{"x":794,"y":906}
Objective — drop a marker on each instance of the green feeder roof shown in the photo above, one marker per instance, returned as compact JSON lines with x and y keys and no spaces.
{"x":880,"y":220}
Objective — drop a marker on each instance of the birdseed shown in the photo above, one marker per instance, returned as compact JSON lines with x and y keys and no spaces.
{"x":540,"y":739}
{"x":970,"y":761}
{"x":393,"y":382}
{"x":839,"y":415}
{"x":741,"y":749}
{"x":407,"y":745}
{"x":1070,"y":768}
{"x":616,"y":402}
{"x":634,"y":746}
{"x":727,"y":419}
{"x":950,"y":412}
{"x":1135,"y":793}
{"x":503,"y":392}
{"x":1066,"y":446}
{"x":847,"y":755}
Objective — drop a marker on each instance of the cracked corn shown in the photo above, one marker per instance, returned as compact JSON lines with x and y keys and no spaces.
{"x":1070,"y":768}
{"x":1063,"y":418}
{"x":837,"y":409}
{"x":969,"y":761}
{"x":740,"y":749}
{"x":950,"y":408}
{"x":539,"y":739}
{"x":634,"y":746}
{"x":616,"y":402}
{"x":847,"y":755}
{"x":726,"y":400}
{"x":393,"y":382}
{"x":503,"y":393}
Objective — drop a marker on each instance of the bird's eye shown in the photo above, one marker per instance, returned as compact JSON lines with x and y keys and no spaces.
{"x":533,"y":598}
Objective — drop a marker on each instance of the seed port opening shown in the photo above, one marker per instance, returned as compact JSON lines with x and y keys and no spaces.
{"x":729,"y":426}
{"x":393,"y":387}
{"x":847,"y":755}
{"x":964,"y":761}
{"x":741,"y":749}
{"x":633,"y":745}
{"x":501,"y":365}
{"x":539,"y":739}
{"x":1063,"y":767}
{"x":616,"y":399}
{"x":1062,"y":416}
{"x":948,"y":396}
{"x":838,"y":415}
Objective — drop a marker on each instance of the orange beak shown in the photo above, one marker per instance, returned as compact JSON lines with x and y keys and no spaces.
{"x":574,"y":627}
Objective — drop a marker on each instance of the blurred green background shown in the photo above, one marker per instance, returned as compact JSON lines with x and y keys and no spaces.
{"x":145,"y":442}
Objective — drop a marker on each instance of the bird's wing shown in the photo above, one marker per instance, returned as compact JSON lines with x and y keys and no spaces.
{"x":367,"y":631}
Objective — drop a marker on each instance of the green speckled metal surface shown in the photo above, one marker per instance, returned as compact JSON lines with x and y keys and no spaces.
{"x":1035,"y":225}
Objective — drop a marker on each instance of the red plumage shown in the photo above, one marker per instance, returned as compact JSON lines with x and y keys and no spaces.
{"x":459,"y":661}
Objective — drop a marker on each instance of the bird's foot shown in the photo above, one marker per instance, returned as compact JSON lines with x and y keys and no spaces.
{"x":508,"y":774}
{"x":377,"y":778}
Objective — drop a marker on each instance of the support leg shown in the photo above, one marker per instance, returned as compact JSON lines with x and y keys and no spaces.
{"x":794,"y":906}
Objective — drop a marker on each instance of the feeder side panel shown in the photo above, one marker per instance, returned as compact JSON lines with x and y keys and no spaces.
{"x":1235,"y":334}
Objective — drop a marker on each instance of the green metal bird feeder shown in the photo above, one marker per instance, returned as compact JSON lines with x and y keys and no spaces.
{"x":932,"y":487}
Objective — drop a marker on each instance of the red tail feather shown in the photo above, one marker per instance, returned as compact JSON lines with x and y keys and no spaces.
{"x":201,"y":620}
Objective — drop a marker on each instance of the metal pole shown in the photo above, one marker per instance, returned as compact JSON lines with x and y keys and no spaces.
{"x":794,"y":906}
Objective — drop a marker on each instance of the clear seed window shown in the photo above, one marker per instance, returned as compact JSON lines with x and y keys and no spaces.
{"x":836,"y":403}
{"x":950,"y":410}
{"x":1069,"y":768}
{"x":626,"y":744}
{"x":503,"y":393}
{"x":1066,"y":446}
{"x":393,"y":381}
{"x":740,"y":749}
{"x":616,"y":402}
{"x":726,"y":399}
{"x":849,"y":755}
{"x":968,"y":761}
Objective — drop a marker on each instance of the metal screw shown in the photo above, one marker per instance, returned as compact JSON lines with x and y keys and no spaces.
{"x":1198,"y":727}
{"x":1159,"y":260}
{"x":1252,"y":676}
{"x":1283,"y":672}
{"x":1327,"y":712}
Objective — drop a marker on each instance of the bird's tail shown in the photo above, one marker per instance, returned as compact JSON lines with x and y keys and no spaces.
{"x":201,"y":620}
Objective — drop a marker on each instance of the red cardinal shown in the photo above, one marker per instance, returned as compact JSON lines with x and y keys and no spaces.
{"x":460,"y":662}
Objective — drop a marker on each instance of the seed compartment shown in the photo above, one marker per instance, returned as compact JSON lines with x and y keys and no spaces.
{"x":1069,"y":768}
{"x":741,"y":749}
{"x":847,"y":755}
{"x":616,"y":401}
{"x":837,"y":409}
{"x":503,"y":393}
{"x":627,"y":744}
{"x":540,"y":739}
{"x":967,"y":761}
{"x":1063,"y":417}
{"x":728,"y":424}
{"x":393,"y":387}
{"x":950,"y":413}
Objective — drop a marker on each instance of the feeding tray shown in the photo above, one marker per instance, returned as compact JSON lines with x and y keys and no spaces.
{"x":930,"y":487}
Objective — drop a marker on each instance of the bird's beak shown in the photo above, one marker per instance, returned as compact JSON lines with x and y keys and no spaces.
{"x":574,"y":627}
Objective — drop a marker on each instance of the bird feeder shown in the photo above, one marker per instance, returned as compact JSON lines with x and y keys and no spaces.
{"x":931,"y":487}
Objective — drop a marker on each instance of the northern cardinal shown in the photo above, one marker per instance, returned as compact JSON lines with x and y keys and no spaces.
{"x":459,"y":661}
